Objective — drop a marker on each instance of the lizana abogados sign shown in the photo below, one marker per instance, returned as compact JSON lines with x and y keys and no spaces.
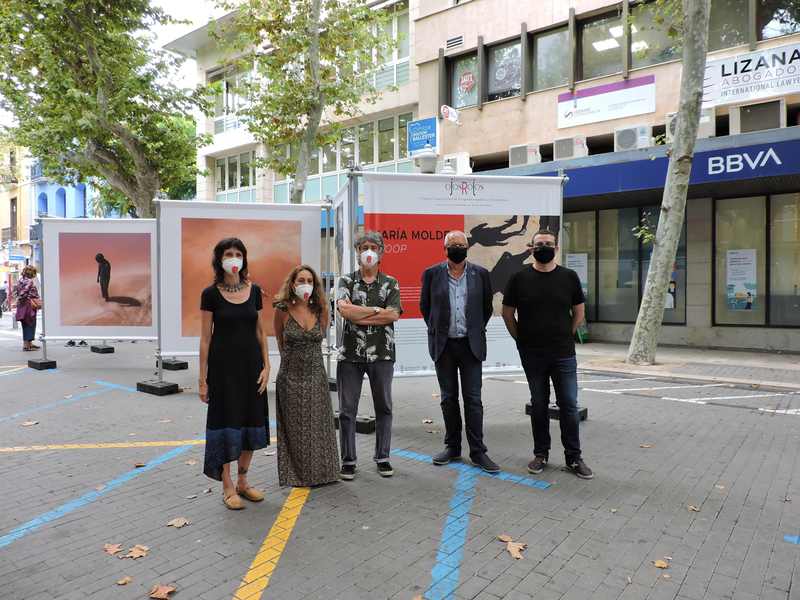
{"x":752,"y":76}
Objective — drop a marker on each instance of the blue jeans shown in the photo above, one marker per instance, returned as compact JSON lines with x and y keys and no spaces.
{"x":29,"y":331}
{"x":539,"y":370}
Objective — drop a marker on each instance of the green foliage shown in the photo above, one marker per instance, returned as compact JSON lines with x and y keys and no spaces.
{"x":645,"y":232}
{"x":92,"y":97}
{"x":310,"y":60}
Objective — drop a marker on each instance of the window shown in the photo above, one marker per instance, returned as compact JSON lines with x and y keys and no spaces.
{"x":601,"y":41}
{"x":727,"y":24}
{"x":41,"y":204}
{"x":233,"y":167}
{"x":219,"y":175}
{"x":366,"y":148}
{"x":505,"y":70}
{"x":402,"y":138}
{"x":650,"y":42}
{"x":618,"y":293}
{"x":464,"y":81}
{"x":551,"y":60}
{"x":774,"y":21}
{"x":393,"y":69}
{"x":784,"y":300}
{"x":244,"y":170}
{"x":579,"y":254}
{"x":229,"y":98}
{"x":313,"y":162}
{"x":740,"y":290}
{"x":235,"y":177}
{"x":675,"y":301}
{"x":347,"y":147}
{"x":329,"y":158}
{"x":386,"y":139}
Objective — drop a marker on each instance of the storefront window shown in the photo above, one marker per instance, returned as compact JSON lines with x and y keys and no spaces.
{"x":386,"y":139}
{"x":578,"y":253}
{"x":727,"y":26}
{"x":505,"y":71}
{"x":618,"y":293}
{"x":601,"y":50}
{"x":675,"y":301}
{"x":784,"y":301}
{"x":650,"y":41}
{"x":402,"y":137}
{"x":366,"y":148}
{"x":774,"y":20}
{"x":233,"y":162}
{"x":464,"y":81}
{"x":739,"y":297}
{"x":551,"y":62}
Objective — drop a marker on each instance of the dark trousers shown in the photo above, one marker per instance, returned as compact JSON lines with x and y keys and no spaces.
{"x":349,"y":378}
{"x":539,"y":370}
{"x":29,"y":331}
{"x":104,"y":287}
{"x":457,"y":360}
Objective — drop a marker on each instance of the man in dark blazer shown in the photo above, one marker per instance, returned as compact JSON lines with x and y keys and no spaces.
{"x":456,"y":302}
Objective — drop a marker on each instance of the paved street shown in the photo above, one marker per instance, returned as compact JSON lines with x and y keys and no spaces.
{"x":658,"y":446}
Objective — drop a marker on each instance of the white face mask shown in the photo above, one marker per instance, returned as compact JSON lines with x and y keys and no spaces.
{"x":232,"y":265}
{"x":303,"y":291}
{"x":369,"y":258}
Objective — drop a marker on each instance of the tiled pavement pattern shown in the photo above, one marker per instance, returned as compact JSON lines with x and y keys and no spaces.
{"x":376,"y":539}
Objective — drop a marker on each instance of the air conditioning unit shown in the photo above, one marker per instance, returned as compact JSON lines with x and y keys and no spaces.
{"x":757,"y":117}
{"x":524,"y":154}
{"x":571,"y":147}
{"x":458,"y":161}
{"x":706,"y":128}
{"x":633,"y":138}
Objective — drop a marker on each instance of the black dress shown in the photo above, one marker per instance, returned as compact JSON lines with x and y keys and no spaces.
{"x":238,"y":417}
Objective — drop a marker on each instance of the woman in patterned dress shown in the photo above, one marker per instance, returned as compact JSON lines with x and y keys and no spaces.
{"x":307,"y":453}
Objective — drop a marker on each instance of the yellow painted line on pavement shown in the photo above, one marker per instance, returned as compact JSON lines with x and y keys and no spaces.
{"x":257,"y":578}
{"x":107,"y":445}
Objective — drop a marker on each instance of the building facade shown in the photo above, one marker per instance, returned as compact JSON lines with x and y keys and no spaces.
{"x":589,"y":88}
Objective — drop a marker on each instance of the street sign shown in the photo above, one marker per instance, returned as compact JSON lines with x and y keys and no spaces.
{"x":421,"y":133}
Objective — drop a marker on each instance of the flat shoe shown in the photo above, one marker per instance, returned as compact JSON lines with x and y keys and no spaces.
{"x":233,"y":502}
{"x":251,"y":494}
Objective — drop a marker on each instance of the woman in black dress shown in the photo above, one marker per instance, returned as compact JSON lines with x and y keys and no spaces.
{"x":234,"y":370}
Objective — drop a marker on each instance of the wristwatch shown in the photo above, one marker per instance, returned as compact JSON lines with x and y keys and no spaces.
{"x":376,"y":310}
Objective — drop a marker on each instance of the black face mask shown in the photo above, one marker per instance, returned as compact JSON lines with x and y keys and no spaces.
{"x":456,"y":254}
{"x":544,"y":254}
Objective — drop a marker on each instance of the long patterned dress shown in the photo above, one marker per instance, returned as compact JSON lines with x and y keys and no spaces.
{"x":307,"y":452}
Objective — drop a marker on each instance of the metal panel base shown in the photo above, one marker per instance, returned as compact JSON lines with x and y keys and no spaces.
{"x":364,"y":423}
{"x":102,"y":349}
{"x":41,"y":364}
{"x":158,"y":388}
{"x":173,"y":364}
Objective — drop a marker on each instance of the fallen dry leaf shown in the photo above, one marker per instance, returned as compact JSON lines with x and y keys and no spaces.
{"x":100,"y":488}
{"x":667,"y":576}
{"x":68,"y":396}
{"x":645,"y":445}
{"x":787,"y":499}
{"x":667,"y":558}
{"x":191,"y":462}
{"x":629,"y":579}
{"x":661,"y":564}
{"x":613,"y":511}
{"x":191,"y":496}
{"x":162,"y":592}
{"x":720,"y":487}
{"x":515,"y":549}
{"x":30,"y":423}
{"x":693,"y":508}
{"x":165,"y":420}
{"x":505,"y":538}
{"x":138,"y":551}
{"x":179,"y":522}
{"x":427,"y":421}
{"x":125,"y":580}
{"x":207,"y":491}
{"x":140,"y":465}
{"x":112,"y":549}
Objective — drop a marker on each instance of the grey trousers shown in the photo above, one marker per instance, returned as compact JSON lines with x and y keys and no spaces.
{"x":349,"y":378}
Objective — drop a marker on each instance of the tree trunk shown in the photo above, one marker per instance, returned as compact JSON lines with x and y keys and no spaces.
{"x":315,"y":115}
{"x":642,"y":350}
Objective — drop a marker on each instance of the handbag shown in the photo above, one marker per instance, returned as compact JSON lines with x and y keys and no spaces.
{"x":36,"y":303}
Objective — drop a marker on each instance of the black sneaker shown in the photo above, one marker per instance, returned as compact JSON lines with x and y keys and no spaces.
{"x":487,"y":464}
{"x":385,"y":469}
{"x":82,"y":343}
{"x":580,"y":469}
{"x":70,"y":343}
{"x":536,"y":466}
{"x":445,"y":456}
{"x":348,"y":472}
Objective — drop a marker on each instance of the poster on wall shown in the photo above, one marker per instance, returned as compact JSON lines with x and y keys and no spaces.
{"x":499,"y":216}
{"x":741,"y":282}
{"x":617,"y":100}
{"x":99,"y":278}
{"x":278,"y":237}
{"x":580,"y":264}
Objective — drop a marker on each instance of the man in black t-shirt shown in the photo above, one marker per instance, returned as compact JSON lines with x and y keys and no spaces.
{"x":542,"y":306}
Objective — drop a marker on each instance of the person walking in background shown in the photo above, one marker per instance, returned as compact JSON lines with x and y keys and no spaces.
{"x":103,"y":274}
{"x":542,"y":307}
{"x":456,"y":303}
{"x":3,"y":295}
{"x":307,"y":452}
{"x":28,"y":304}
{"x":234,"y":370}
{"x":369,"y":302}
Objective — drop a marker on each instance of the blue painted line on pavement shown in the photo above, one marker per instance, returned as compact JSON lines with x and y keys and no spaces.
{"x":57,"y":403}
{"x":446,"y":571}
{"x":116,"y":386}
{"x":465,"y":468}
{"x":792,"y":539}
{"x":88,"y":498}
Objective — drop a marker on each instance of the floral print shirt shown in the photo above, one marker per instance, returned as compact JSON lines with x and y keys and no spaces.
{"x":368,"y":343}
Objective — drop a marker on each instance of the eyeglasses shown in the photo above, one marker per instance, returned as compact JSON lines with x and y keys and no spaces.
{"x":543,"y":244}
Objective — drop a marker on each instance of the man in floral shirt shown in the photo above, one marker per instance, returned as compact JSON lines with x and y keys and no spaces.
{"x":369,"y":302}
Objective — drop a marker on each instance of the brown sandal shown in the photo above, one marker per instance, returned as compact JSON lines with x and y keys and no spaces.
{"x":251,"y":494}
{"x":233,"y":502}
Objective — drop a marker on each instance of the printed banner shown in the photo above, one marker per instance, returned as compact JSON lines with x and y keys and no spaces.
{"x":580,"y":264}
{"x":609,"y":101}
{"x":278,"y":237}
{"x":99,"y":278}
{"x":752,"y":76}
{"x":499,"y":216}
{"x":741,"y":282}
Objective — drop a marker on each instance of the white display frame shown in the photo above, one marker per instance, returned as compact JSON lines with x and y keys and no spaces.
{"x":170,"y":214}
{"x":52,"y":328}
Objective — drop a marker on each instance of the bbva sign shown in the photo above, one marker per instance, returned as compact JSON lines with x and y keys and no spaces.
{"x":733,"y":163}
